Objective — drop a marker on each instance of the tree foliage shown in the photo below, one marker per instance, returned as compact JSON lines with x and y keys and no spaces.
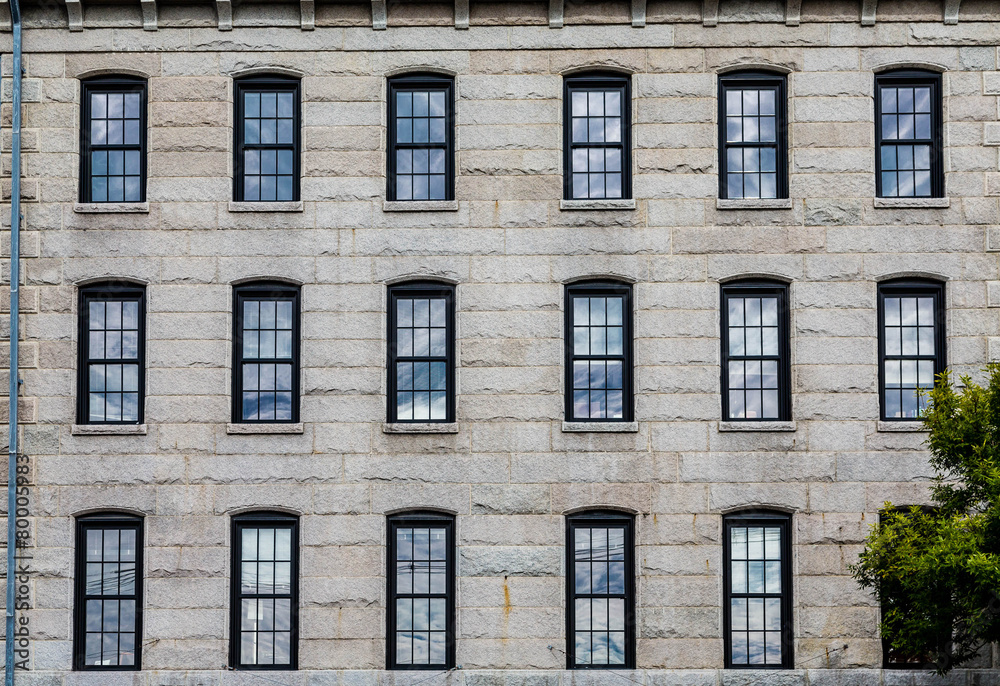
{"x":936,"y":571}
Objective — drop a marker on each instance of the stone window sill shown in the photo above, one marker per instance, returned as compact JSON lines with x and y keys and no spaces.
{"x":265,"y":428}
{"x":757,"y":426}
{"x":912,"y":203}
{"x":753,"y":204}
{"x":902,"y":427}
{"x":601,"y":427}
{"x":420,"y":206}
{"x":626,"y":204}
{"x":108,"y":430}
{"x":111,"y":207}
{"x":295,"y":206}
{"x":420,"y":427}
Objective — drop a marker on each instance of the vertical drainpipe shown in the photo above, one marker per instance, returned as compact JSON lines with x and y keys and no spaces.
{"x":15,"y":276}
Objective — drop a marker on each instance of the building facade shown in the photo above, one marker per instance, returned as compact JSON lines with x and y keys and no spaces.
{"x":491,"y":343}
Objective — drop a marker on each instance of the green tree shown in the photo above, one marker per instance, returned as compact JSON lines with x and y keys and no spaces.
{"x":936,"y":571}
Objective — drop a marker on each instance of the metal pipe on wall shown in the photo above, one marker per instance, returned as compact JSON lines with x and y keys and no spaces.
{"x":15,"y":276}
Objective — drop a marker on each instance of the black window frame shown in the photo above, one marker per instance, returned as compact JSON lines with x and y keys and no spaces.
{"x":762,"y":518}
{"x":275,"y":290}
{"x":266,"y":83}
{"x":105,"y":520}
{"x":609,"y":519}
{"x":119,"y":83}
{"x":759,"y":80}
{"x":913,"y":77}
{"x":600,"y":80}
{"x":261,"y":519}
{"x":911,"y":287}
{"x":417,"y":519}
{"x":744,"y":288}
{"x":101,"y":292}
{"x":416,"y":289}
{"x":421,"y":81}
{"x":597,"y":289}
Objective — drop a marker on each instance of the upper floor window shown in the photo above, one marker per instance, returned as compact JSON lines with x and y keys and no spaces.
{"x":911,"y":345}
{"x":421,"y":138}
{"x":758,"y":590}
{"x":598,"y":351}
{"x":421,"y":576}
{"x":756,"y":370}
{"x":421,"y":353}
{"x":267,"y":139}
{"x":600,"y":591}
{"x":266,"y":341}
{"x":753,"y":141}
{"x":597,"y":128}
{"x":112,"y":354}
{"x":113,"y":140}
{"x":265,"y":591}
{"x":107,"y":614}
{"x":908,"y":126}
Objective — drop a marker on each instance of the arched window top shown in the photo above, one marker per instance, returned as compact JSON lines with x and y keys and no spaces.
{"x":265,"y":515}
{"x":758,"y":513}
{"x":600,"y":513}
{"x":422,"y":514}
{"x":109,"y":516}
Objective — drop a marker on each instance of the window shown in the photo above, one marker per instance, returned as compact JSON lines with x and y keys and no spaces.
{"x":600,"y":591}
{"x":753,"y":143}
{"x":107,"y":619}
{"x":756,"y":374}
{"x":758,"y":591}
{"x":266,"y":373}
{"x":908,"y":130}
{"x":267,"y":139}
{"x":597,"y":128}
{"x":598,"y":352}
{"x":265,"y":603}
{"x":112,"y":354}
{"x":113,"y":140}
{"x":421,"y":138}
{"x":422,"y":353}
{"x":911,"y":345}
{"x":421,"y":579}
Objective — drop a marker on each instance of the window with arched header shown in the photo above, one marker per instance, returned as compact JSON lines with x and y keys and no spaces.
{"x":421,"y":137}
{"x":756,"y":352}
{"x":113,"y":140}
{"x":421,"y":591}
{"x":264,"y":609}
{"x":757,"y":590}
{"x":911,"y":345}
{"x":111,"y":340}
{"x":107,"y":612}
{"x":267,"y":139}
{"x":598,"y":331}
{"x":421,"y":347}
{"x":600,"y":590}
{"x":908,"y":129}
{"x":266,"y":353}
{"x":597,"y":153}
{"x":753,"y":136}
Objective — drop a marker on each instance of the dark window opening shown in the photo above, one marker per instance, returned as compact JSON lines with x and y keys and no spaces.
{"x":753,"y":136}
{"x":600,"y":608}
{"x":113,"y":140}
{"x":597,"y":129}
{"x":908,"y":126}
{"x":421,"y":589}
{"x":107,"y":620}
{"x":267,"y":139}
{"x":266,"y":340}
{"x":421,"y":138}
